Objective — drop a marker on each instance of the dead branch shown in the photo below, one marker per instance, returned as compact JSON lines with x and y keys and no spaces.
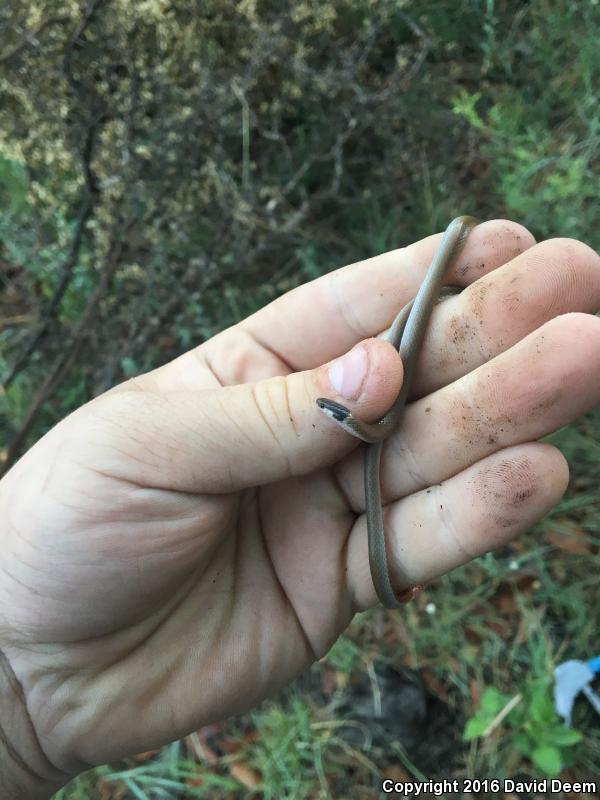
{"x":63,"y":362}
{"x":87,"y":207}
{"x":54,"y":301}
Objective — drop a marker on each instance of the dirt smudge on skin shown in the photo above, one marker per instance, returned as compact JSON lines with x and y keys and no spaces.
{"x":501,"y":403}
{"x":476,"y":295}
{"x":537,"y":411}
{"x":506,"y":487}
{"x":521,"y":495}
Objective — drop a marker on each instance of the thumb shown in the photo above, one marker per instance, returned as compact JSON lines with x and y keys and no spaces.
{"x":228,"y":439}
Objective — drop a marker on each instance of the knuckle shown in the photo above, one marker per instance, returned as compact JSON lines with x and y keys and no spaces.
{"x":232,"y":357}
{"x":345,"y":310}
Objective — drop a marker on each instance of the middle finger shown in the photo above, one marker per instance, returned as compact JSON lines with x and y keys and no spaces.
{"x":504,"y":386}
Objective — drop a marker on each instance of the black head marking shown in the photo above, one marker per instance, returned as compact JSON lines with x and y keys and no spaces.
{"x":337,"y":411}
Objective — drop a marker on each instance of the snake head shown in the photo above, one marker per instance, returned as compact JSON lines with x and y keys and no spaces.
{"x":333,"y":410}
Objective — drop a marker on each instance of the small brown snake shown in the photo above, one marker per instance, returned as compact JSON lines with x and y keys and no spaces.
{"x":406,"y":334}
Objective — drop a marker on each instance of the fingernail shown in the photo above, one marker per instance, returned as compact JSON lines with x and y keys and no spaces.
{"x":347,"y":374}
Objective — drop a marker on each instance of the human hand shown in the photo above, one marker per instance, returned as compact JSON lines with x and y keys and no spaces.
{"x":188,"y":542}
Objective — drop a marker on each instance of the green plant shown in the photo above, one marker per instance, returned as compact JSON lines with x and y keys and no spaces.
{"x":345,"y":655}
{"x":13,"y":187}
{"x":536,"y":730}
{"x":290,"y":749}
{"x":541,"y":140}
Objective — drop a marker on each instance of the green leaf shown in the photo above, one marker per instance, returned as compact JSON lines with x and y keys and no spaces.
{"x":522,"y":742}
{"x":475,"y":727}
{"x":463,"y":104}
{"x":561,"y":736}
{"x":541,"y":708}
{"x":548,"y":759}
{"x":492,"y":701}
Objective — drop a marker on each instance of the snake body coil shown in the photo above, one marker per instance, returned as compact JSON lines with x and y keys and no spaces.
{"x":406,"y":334}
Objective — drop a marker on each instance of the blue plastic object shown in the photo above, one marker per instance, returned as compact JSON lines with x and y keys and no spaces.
{"x":572,"y":678}
{"x":594,"y":663}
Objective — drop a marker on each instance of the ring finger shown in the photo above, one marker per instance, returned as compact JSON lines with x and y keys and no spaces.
{"x":437,"y":529}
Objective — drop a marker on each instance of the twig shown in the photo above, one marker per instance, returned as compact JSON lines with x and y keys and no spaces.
{"x":40,"y":398}
{"x":375,"y":688}
{"x":425,"y":46}
{"x":64,"y":361}
{"x":54,"y":302}
{"x":18,"y":319}
{"x":87,"y":207}
{"x":499,"y":717}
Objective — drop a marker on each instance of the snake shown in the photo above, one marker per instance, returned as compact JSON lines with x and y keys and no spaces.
{"x":406,"y":334}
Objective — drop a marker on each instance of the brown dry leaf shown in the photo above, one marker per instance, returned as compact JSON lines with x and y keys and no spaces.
{"x":327,"y":680}
{"x":435,"y":686}
{"x":480,"y":610}
{"x":249,"y":777}
{"x":407,"y":660}
{"x":104,"y":789}
{"x":198,"y":781}
{"x":209,"y":756}
{"x":505,"y":601}
{"x":522,"y":579}
{"x":519,"y":547}
{"x":251,"y":735}
{"x":471,"y":635}
{"x":500,"y":626}
{"x":341,"y":679}
{"x":477,"y":576}
{"x":140,"y":758}
{"x":576,"y":542}
{"x":209,"y":731}
{"x":230,"y":746}
{"x":110,"y":790}
{"x":474,"y":693}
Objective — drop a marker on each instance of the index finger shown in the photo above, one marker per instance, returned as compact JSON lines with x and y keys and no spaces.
{"x":325,"y":318}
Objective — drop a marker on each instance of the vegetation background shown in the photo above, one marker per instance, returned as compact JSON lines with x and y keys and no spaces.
{"x":169,"y":166}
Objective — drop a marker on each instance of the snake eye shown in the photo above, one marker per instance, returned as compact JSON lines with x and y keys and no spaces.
{"x":334,"y":410}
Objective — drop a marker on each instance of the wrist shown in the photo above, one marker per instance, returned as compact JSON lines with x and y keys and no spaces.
{"x":25,"y":772}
